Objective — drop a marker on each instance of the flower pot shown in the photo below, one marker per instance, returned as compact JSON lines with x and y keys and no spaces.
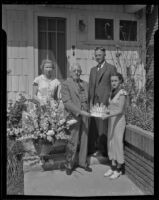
{"x":29,"y":146}
{"x":44,"y":148}
{"x":59,"y":147}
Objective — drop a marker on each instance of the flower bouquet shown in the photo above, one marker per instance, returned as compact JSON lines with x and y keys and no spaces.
{"x":46,"y":125}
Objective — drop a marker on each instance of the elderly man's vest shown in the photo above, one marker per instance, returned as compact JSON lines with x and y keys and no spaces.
{"x":83,"y":98}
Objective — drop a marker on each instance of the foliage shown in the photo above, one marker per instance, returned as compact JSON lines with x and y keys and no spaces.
{"x":140,"y":113}
{"x":28,"y":119}
{"x":14,"y":112}
{"x":14,"y":117}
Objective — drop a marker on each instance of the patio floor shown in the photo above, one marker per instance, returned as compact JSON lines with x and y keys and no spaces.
{"x":80,"y":183}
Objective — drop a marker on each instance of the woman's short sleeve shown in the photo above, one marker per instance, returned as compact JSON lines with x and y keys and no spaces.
{"x":36,"y":81}
{"x":123,"y":92}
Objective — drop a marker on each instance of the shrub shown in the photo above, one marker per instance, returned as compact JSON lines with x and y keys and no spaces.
{"x":140,"y":113}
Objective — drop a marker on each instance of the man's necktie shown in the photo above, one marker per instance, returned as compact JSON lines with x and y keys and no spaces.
{"x":79,"y":86}
{"x":99,"y":67}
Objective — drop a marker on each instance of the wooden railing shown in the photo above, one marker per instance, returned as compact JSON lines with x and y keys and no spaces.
{"x":139,"y":158}
{"x":15,"y":174}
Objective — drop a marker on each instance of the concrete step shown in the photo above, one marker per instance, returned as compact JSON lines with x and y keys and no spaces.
{"x":92,"y":160}
{"x":57,"y":161}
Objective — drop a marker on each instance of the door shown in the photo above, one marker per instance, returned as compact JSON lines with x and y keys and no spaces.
{"x":52,"y":43}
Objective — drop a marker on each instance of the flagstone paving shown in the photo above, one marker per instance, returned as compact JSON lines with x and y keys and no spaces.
{"x":80,"y":183}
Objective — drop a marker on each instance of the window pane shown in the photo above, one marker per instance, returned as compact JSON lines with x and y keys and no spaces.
{"x":104,"y":29}
{"x":42,"y":46}
{"x":61,"y":56}
{"x":51,"y":24}
{"x":60,"y":25}
{"x":42,"y":24}
{"x":52,"y":48}
{"x":128,"y":30}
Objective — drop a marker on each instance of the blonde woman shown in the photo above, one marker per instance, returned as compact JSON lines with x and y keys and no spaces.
{"x":46,"y":86}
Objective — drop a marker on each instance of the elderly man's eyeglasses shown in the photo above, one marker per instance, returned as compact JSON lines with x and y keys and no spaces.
{"x":77,"y":71}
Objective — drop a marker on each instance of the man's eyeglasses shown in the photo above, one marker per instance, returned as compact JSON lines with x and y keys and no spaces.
{"x":77,"y":70}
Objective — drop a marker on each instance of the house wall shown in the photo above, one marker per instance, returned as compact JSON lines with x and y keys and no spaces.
{"x":20,"y":24}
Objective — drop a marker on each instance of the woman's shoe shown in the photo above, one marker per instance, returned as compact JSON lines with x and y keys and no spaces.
{"x":109,"y":172}
{"x":115,"y":174}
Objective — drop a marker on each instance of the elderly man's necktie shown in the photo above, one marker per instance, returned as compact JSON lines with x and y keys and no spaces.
{"x":79,"y":86}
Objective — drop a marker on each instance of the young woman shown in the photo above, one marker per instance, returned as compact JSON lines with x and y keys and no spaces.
{"x":116,"y":126}
{"x":46,"y":86}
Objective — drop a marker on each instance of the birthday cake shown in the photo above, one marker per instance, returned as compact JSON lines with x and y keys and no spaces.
{"x":99,"y":110}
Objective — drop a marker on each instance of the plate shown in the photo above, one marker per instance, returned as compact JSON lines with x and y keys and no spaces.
{"x":97,"y":115}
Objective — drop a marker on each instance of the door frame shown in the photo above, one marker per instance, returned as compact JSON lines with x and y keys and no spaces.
{"x":53,"y":13}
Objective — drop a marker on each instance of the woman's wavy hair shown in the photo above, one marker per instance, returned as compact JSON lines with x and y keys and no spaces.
{"x":46,"y":61}
{"x":120,"y":76}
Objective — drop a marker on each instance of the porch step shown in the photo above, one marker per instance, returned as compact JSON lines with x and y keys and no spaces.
{"x":57,"y":161}
{"x":97,"y":160}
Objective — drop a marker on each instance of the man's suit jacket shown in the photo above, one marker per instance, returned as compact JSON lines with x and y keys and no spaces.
{"x":70,"y":96}
{"x":79,"y":132}
{"x":102,"y":86}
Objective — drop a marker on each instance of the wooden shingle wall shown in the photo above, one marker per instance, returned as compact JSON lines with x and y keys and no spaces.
{"x":139,"y":158}
{"x":20,"y":23}
{"x":15,"y":25}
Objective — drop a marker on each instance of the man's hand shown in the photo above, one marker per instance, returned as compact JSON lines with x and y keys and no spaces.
{"x":84,"y":113}
{"x":105,"y":117}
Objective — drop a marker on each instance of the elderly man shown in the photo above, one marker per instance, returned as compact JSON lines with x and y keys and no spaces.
{"x":74,"y":93}
{"x":99,"y":91}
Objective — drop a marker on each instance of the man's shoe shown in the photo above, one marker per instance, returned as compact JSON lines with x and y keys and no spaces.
{"x":68,"y":171}
{"x":87,"y":168}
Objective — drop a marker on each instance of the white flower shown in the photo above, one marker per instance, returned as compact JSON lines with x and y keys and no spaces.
{"x":50,"y":133}
{"x":49,"y":138}
{"x":62,"y":121}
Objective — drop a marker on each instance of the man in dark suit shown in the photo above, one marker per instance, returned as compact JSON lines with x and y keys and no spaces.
{"x":99,"y":91}
{"x":74,"y":94}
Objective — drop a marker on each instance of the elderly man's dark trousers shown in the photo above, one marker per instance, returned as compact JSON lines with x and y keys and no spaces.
{"x":78,"y":139}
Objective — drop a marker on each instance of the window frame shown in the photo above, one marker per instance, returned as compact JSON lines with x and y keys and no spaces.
{"x":116,"y":18}
{"x":95,"y":28}
{"x":136,"y":30}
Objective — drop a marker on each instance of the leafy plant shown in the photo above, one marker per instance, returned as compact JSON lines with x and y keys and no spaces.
{"x":140,"y":113}
{"x":14,"y":112}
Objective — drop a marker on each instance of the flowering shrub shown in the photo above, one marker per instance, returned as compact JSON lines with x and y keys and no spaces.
{"x":140,"y":113}
{"x":139,"y":110}
{"x":27,"y":119}
{"x":14,"y":117}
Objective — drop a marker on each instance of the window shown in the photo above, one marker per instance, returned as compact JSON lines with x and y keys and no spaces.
{"x":52,"y":43}
{"x":104,"y":29}
{"x":128,"y":30}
